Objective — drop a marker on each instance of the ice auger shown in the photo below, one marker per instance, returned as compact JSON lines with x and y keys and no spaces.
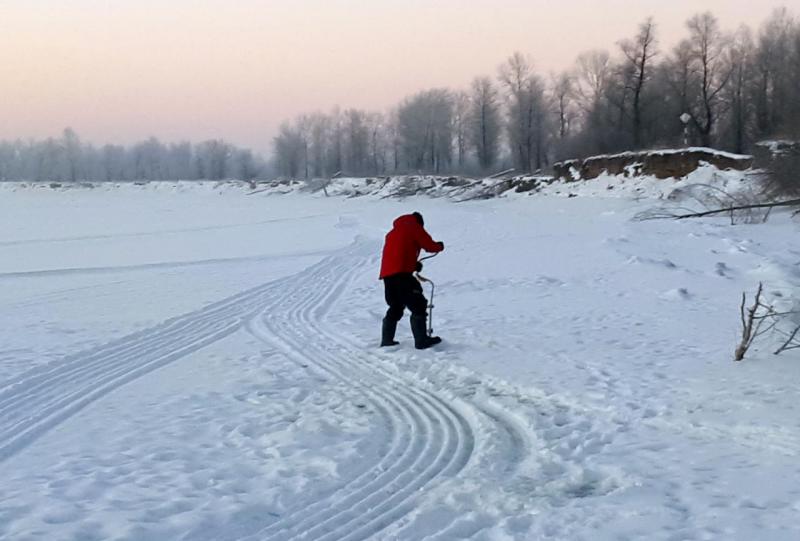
{"x":425,"y":280}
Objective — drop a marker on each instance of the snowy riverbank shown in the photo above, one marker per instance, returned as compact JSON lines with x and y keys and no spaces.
{"x":185,"y":363}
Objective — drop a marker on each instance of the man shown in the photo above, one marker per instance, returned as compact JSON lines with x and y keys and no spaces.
{"x":402,"y":289}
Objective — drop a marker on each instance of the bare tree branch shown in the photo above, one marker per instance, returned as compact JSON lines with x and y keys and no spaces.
{"x":790,"y":203}
{"x":790,"y":343}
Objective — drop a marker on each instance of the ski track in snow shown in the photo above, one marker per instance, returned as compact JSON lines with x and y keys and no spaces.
{"x":38,"y":400}
{"x":157,"y":233}
{"x":441,"y":424}
{"x":44,"y":273}
{"x":432,"y":438}
{"x":433,"y":434}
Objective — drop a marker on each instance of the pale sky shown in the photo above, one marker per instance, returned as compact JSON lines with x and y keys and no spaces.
{"x":121,"y":70}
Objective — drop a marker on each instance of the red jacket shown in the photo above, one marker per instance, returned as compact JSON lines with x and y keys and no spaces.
{"x":403,"y":243}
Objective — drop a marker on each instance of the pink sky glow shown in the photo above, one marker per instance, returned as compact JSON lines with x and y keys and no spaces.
{"x":118,"y":71}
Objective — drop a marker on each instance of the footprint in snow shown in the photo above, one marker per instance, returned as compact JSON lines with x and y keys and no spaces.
{"x":347,"y":222}
{"x":680,"y":293}
{"x":723,"y":270}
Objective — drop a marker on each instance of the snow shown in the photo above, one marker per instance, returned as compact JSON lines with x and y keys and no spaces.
{"x":182,"y":361}
{"x":458,"y":189}
{"x":671,"y":151}
{"x":651,"y":187}
{"x":704,"y":150}
{"x":778,"y":146}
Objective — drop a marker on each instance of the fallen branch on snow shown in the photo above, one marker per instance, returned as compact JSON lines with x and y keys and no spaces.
{"x":789,"y":203}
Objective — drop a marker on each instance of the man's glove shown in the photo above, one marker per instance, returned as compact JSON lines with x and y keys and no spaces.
{"x":419,"y":266}
{"x":441,"y":246}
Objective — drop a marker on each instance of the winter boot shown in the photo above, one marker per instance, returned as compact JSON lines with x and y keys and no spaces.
{"x":387,"y":333}
{"x":420,"y":331}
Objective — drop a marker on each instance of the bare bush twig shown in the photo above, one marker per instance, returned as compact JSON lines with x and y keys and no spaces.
{"x":793,"y":342}
{"x":752,"y":320}
{"x":762,"y":318}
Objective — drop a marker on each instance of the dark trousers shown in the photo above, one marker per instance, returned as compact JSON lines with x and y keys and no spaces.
{"x":404,"y":291}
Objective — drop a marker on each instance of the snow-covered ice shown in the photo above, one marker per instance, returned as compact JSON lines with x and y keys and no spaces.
{"x":195,"y":363}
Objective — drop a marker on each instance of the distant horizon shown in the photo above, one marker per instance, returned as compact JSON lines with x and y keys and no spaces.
{"x":207,"y":70}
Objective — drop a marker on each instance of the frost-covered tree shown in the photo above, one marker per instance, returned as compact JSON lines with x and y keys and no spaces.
{"x":425,"y":131}
{"x":737,"y":125}
{"x":288,"y":147}
{"x":526,"y":112}
{"x":563,"y":98}
{"x":319,"y":133}
{"x":710,"y":74}
{"x":72,"y":155}
{"x":357,"y":142}
{"x":69,"y":159}
{"x":774,"y":93}
{"x":593,"y":70}
{"x":461,"y":111}
{"x":639,"y":54}
{"x":793,"y":120}
{"x":484,"y":122}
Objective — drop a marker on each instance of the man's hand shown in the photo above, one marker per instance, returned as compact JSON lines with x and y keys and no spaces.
{"x":441,"y":246}
{"x":419,"y":266}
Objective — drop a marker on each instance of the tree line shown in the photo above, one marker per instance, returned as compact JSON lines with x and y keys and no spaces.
{"x":67,"y":158}
{"x":714,"y":88}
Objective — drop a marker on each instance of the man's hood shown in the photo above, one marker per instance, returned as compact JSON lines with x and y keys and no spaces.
{"x":407,"y":220}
